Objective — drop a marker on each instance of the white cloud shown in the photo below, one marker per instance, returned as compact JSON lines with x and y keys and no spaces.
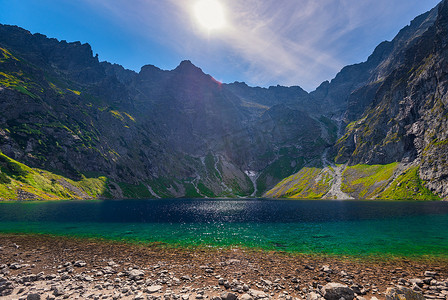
{"x":291,"y":42}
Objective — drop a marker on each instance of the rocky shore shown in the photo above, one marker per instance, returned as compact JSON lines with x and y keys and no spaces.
{"x":43,"y":267}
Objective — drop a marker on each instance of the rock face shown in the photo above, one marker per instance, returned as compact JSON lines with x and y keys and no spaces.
{"x":404,"y":119}
{"x":180,"y":133}
{"x":155,"y":133}
{"x":394,"y":106}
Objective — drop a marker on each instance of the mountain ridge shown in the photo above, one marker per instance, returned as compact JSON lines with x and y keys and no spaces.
{"x":181,"y":133}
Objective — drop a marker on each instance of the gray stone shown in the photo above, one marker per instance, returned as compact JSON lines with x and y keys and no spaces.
{"x":15,"y":266}
{"x":430,"y":274}
{"x":80,"y":263}
{"x":313,"y":296}
{"x":336,"y":291}
{"x":403,"y":293}
{"x":416,"y":281}
{"x":266,"y":282}
{"x":139,"y":296}
{"x":33,"y":297}
{"x":154,"y":289}
{"x":257,"y":294}
{"x":326,"y":269}
{"x":136,"y":274}
{"x":246,"y":297}
{"x":228,"y":296}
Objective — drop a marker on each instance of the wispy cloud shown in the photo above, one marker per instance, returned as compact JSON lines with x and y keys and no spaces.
{"x":290,"y":42}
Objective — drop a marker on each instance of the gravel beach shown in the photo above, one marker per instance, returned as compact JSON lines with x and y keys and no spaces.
{"x":46,"y":267}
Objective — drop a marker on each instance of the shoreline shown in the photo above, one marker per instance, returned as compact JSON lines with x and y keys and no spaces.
{"x":167,"y":246}
{"x":82,"y":268}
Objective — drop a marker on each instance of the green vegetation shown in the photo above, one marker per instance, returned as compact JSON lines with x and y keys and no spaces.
{"x":210,"y":166}
{"x":309,"y":183}
{"x":121,"y":116}
{"x":408,"y":185}
{"x":20,"y":182}
{"x":367,"y":181}
{"x":75,"y":92}
{"x":281,"y":168}
{"x":162,"y":186}
{"x":135,"y":191}
{"x":204,"y":190}
{"x":6,"y":55}
{"x":359,"y":181}
{"x":190,"y":191}
{"x":18,"y":82}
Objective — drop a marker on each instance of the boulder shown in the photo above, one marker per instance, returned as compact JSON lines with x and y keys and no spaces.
{"x":246,"y":297}
{"x":136,"y":274}
{"x":228,"y":296}
{"x":403,"y":293}
{"x":153,"y":289}
{"x":257,"y":294}
{"x":336,"y":291}
{"x":416,"y":281}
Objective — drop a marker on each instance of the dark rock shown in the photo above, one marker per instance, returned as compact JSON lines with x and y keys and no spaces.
{"x":228,"y":296}
{"x":430,"y":274}
{"x":80,"y":263}
{"x":336,"y":291}
{"x":6,"y":287}
{"x":33,"y":297}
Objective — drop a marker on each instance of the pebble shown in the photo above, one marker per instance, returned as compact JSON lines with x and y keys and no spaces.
{"x":124,"y":280}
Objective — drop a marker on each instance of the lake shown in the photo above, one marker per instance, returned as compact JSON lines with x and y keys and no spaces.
{"x":354,"y":228}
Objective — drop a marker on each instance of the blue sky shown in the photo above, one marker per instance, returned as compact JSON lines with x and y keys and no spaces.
{"x":269,"y":42}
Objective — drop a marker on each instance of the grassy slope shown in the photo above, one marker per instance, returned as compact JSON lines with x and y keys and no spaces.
{"x":359,"y":181}
{"x":309,"y":183}
{"x":20,"y":182}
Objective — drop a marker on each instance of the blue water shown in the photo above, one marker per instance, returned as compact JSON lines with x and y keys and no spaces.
{"x":359,"y":228}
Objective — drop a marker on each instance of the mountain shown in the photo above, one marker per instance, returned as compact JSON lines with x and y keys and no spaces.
{"x":155,"y":133}
{"x":395,"y":108}
{"x":74,"y":127}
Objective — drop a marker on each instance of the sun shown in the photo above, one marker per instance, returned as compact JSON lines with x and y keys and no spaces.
{"x":210,"y":14}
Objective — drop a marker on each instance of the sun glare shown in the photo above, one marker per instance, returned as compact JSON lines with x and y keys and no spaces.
{"x":209,"y":14}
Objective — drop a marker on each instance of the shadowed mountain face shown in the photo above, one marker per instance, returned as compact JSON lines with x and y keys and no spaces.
{"x":174,"y":133}
{"x":180,"y":133}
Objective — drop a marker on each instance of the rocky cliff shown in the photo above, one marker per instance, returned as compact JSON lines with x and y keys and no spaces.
{"x":395,"y":108}
{"x":181,"y":133}
{"x":155,"y":133}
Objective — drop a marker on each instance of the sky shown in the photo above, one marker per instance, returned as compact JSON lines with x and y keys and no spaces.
{"x":263,"y":42}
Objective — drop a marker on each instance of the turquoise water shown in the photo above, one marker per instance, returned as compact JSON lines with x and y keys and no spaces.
{"x":360,"y":228}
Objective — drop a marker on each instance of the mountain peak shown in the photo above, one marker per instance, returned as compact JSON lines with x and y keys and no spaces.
{"x":187,"y":65}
